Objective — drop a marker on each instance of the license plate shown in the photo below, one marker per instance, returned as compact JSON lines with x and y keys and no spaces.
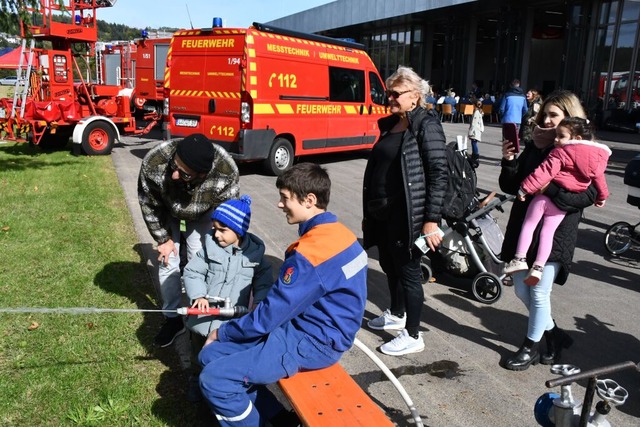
{"x":187,"y":123}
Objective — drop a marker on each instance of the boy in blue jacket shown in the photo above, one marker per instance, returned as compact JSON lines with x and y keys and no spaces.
{"x":231,"y":265}
{"x":308,"y":319}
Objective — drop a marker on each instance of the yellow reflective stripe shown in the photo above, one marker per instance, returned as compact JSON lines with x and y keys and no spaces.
{"x":263,"y":109}
{"x":206,"y":93}
{"x":350,"y":109}
{"x":253,"y":80}
{"x":252,"y":53}
{"x":254,"y":94}
{"x":284,"y":108}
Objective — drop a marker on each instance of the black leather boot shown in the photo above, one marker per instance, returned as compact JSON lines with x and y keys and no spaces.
{"x":525,"y":356}
{"x":556,"y":339}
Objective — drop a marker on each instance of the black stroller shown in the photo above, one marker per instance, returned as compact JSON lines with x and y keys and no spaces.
{"x":471,"y":248}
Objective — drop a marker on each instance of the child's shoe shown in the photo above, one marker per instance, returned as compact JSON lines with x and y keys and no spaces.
{"x":516,"y":264}
{"x":534,"y":275}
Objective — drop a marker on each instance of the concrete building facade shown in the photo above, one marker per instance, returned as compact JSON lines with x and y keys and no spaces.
{"x":588,"y":46}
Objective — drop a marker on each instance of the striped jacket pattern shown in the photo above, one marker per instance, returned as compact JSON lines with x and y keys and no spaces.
{"x":162,"y":198}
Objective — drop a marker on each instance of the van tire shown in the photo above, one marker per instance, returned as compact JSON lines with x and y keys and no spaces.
{"x":98,"y":138}
{"x":280,"y":157}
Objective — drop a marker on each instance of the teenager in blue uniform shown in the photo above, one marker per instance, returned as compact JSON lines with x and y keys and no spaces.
{"x":308,"y":319}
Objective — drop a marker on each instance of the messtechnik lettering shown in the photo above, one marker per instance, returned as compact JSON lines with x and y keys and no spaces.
{"x":288,"y":50}
{"x":207,"y":43}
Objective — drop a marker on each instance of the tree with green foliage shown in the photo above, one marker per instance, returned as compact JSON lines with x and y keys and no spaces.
{"x":12,"y":12}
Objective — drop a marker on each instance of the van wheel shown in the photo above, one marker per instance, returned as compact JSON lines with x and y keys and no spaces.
{"x":97,"y":139}
{"x":280,"y":157}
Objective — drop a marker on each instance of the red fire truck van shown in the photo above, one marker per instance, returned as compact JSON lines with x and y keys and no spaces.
{"x":268,"y":94}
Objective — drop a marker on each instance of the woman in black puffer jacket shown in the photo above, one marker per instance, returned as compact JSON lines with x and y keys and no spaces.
{"x":404,"y":186}
{"x":537,"y":299}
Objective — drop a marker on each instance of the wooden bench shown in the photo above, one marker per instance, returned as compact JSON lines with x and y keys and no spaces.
{"x":330,"y":397}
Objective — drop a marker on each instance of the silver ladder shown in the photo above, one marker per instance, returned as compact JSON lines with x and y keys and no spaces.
{"x":99,"y":59}
{"x":22,"y":81}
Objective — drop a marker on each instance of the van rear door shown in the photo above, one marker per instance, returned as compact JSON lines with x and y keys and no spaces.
{"x":205,"y":85}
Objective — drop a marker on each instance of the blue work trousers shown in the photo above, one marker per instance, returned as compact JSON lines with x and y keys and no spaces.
{"x":234,"y":375}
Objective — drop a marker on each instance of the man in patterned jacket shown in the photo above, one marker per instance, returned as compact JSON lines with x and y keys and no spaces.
{"x":182,"y":181}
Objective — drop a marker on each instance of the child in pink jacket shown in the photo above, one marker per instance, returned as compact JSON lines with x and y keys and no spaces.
{"x":575,"y":162}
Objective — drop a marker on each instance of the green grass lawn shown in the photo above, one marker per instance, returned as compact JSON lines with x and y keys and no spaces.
{"x":67,"y":240}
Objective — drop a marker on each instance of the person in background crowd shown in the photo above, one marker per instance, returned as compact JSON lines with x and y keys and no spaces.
{"x":487,"y":100}
{"x":403,"y":201}
{"x":537,"y":299}
{"x":475,"y":93}
{"x":451,"y":99}
{"x":476,"y":127}
{"x":513,"y":105}
{"x":182,"y":181}
{"x":534,"y":102}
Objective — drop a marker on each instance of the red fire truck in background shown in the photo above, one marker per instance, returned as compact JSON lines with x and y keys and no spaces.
{"x":268,"y":94}
{"x":48,"y":107}
{"x":617,"y":89}
{"x":150,"y":64}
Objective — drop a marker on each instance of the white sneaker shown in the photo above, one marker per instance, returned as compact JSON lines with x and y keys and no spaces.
{"x":387,"y":322}
{"x":515,"y":265}
{"x":403,"y":344}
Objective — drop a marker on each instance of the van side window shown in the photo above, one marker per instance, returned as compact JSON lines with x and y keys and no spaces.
{"x":377,"y":89}
{"x":346,"y":85}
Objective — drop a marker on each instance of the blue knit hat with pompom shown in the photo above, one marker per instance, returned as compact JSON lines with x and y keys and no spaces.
{"x":235,"y":214}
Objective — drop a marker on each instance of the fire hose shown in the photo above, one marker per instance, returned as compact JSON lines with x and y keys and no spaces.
{"x":184,"y":311}
{"x":225,"y":311}
{"x":385,"y":370}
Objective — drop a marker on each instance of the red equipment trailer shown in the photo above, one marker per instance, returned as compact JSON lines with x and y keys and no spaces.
{"x":48,"y":107}
{"x":150,"y":67}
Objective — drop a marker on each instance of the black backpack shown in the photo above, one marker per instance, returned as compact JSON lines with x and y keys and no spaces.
{"x":460,"y":198}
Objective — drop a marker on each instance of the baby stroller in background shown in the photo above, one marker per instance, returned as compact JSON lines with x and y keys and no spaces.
{"x":622,"y":236}
{"x":471,"y":248}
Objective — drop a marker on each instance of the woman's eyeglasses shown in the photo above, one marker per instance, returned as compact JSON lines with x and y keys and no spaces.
{"x":183,"y":175}
{"x":395,"y":94}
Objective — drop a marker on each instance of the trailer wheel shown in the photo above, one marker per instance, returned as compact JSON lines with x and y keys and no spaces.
{"x":97,"y":139}
{"x":280,"y":157}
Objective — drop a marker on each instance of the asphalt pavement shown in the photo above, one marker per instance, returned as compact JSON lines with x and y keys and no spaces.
{"x":457,"y":380}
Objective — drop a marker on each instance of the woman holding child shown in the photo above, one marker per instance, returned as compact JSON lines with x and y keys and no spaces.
{"x":537,"y":299}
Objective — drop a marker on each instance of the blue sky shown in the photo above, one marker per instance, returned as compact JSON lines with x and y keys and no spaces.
{"x":166,"y":13}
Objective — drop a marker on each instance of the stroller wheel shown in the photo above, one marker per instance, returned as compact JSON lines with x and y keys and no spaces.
{"x":486,"y":287}
{"x":425,"y":269}
{"x":618,"y":238}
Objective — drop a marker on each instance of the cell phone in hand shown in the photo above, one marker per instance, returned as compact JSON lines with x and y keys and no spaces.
{"x":510,"y":133}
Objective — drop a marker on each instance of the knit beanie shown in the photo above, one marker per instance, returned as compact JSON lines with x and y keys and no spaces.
{"x":197,"y":152}
{"x":235,"y":214}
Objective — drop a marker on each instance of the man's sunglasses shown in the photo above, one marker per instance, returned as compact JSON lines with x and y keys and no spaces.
{"x":395,"y":94}
{"x":183,"y":175}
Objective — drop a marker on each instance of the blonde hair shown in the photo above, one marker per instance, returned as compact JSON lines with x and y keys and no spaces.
{"x":566,"y":101}
{"x":410,"y":78}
